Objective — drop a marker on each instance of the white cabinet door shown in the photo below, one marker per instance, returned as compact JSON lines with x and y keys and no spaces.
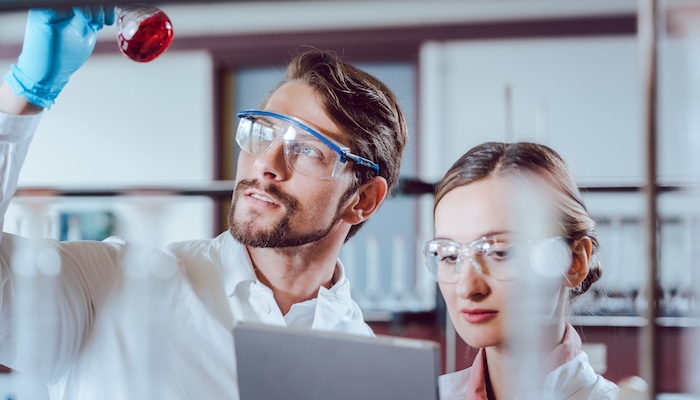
{"x":581,"y":96}
{"x":578,"y":95}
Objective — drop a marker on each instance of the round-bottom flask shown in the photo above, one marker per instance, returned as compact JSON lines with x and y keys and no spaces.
{"x":143,"y":32}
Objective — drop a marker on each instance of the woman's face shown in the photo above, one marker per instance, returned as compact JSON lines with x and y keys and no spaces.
{"x":477,"y":303}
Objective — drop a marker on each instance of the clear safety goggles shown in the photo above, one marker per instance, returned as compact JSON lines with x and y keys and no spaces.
{"x":495,"y":256}
{"x":306,"y":151}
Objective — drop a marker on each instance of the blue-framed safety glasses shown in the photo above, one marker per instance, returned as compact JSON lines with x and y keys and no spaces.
{"x":306,"y":151}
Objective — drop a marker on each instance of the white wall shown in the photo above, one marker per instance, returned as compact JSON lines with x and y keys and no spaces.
{"x":122,"y":122}
{"x":119,"y":124}
{"x":579,"y":95}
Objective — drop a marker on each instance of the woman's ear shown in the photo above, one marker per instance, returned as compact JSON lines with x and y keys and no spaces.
{"x":580,"y":257}
{"x":365,"y":201}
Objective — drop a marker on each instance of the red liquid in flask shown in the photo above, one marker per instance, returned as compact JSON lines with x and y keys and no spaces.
{"x":147,"y":39}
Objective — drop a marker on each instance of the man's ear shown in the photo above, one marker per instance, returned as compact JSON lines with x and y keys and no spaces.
{"x":366,"y":200}
{"x":580,"y":257}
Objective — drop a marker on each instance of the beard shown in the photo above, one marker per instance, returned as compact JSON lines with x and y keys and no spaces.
{"x":279,"y":234}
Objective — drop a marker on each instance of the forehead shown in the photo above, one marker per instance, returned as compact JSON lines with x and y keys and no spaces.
{"x":469,"y":212}
{"x":302,"y":101}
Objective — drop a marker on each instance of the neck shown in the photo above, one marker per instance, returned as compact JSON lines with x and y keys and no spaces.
{"x":295,"y":274}
{"x":500,"y":361}
{"x":495,"y":372}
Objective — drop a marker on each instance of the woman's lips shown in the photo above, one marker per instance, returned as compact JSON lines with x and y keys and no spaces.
{"x":476,"y":316}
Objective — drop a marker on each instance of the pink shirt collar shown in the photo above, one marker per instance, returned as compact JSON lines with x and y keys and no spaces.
{"x":569,"y":348}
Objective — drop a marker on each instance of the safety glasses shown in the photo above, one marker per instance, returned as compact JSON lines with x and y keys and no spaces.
{"x":498,"y":256}
{"x":306,"y":151}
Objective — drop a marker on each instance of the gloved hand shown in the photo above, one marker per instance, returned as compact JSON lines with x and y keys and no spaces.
{"x":56,"y":44}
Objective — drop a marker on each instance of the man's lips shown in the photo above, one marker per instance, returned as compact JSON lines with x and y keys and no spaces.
{"x":477,"y":315}
{"x":265,"y":196}
{"x":262,"y":197}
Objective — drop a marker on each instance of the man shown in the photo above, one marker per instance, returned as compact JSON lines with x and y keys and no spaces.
{"x":318,"y":159}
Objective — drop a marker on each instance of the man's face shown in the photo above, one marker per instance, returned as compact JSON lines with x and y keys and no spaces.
{"x":274,"y":206}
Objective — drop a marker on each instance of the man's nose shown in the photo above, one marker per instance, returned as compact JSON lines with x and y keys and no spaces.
{"x":271,"y":164}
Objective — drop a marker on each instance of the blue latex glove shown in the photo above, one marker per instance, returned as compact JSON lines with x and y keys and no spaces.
{"x":56,"y":44}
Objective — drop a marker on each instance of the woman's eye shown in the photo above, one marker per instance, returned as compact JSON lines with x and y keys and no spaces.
{"x":500,"y":253}
{"x":449,"y":258}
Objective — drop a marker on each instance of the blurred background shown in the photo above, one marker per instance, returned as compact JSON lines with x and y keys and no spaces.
{"x":146,"y":150}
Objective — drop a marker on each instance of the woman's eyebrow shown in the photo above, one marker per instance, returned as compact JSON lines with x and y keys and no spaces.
{"x":483,"y":235}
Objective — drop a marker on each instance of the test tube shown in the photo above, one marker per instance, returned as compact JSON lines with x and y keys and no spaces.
{"x":372,"y":285}
{"x":398,"y":272}
{"x":424,"y":289}
{"x":34,"y":272}
{"x":146,"y":276}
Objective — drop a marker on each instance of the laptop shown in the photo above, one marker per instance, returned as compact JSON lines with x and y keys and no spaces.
{"x":289,"y":363}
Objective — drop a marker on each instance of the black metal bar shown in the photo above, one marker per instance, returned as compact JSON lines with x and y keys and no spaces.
{"x":647,"y":37}
{"x":223,"y":189}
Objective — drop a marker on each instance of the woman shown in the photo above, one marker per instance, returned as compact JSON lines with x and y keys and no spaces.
{"x":478,"y":259}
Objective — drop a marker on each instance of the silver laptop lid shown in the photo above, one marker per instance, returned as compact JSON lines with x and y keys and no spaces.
{"x":287,"y":363}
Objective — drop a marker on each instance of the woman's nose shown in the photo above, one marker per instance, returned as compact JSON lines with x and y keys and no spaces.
{"x":471,"y":282}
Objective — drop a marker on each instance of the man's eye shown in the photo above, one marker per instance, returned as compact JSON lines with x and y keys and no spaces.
{"x":310,"y":151}
{"x":307,"y":150}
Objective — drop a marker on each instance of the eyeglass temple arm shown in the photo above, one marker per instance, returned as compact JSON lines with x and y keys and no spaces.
{"x":361,"y":161}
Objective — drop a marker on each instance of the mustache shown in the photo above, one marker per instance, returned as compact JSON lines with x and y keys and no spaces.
{"x":280,"y":196}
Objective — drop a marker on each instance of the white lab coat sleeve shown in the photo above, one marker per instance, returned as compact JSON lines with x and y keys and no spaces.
{"x":16,"y":133}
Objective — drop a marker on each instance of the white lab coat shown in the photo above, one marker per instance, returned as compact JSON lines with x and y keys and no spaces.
{"x":93,"y":339}
{"x":573,"y":380}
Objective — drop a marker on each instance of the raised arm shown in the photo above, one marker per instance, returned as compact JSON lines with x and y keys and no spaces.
{"x":56,"y":44}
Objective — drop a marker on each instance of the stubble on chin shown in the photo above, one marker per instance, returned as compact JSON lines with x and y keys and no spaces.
{"x":246,"y":228}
